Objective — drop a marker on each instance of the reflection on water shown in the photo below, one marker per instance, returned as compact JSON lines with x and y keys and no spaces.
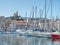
{"x":15,"y":39}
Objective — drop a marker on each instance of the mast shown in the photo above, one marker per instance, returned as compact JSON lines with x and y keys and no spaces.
{"x":41,"y":13}
{"x":35,"y":11}
{"x":51,"y":8}
{"x":32,"y":17}
{"x":45,"y":16}
{"x":32,"y":12}
{"x":51,"y":16}
{"x":35,"y":15}
{"x":26,"y":17}
{"x":57,"y":22}
{"x":26,"y":20}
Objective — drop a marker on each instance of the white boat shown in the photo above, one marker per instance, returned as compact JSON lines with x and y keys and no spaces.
{"x":32,"y":33}
{"x":19,"y":31}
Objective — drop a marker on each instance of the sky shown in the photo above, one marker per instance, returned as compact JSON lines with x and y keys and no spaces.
{"x":8,"y":7}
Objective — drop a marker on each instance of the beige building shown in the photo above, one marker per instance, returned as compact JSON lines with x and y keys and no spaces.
{"x":21,"y":22}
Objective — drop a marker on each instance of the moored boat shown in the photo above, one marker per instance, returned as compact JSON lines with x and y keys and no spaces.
{"x":55,"y":35}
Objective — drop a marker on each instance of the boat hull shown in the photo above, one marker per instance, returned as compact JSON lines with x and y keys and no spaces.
{"x":55,"y":36}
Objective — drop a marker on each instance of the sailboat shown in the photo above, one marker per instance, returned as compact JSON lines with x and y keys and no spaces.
{"x":56,"y":34}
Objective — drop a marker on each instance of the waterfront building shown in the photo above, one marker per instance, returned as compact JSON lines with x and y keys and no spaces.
{"x":17,"y":22}
{"x":21,"y":24}
{"x":2,"y":18}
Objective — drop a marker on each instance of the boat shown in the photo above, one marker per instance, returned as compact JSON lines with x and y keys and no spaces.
{"x":20,"y":32}
{"x":33,"y":33}
{"x":55,"y":35}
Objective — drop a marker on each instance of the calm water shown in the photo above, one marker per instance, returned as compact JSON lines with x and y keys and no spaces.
{"x":15,"y":39}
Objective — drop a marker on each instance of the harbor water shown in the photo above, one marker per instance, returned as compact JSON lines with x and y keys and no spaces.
{"x":16,"y":39}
